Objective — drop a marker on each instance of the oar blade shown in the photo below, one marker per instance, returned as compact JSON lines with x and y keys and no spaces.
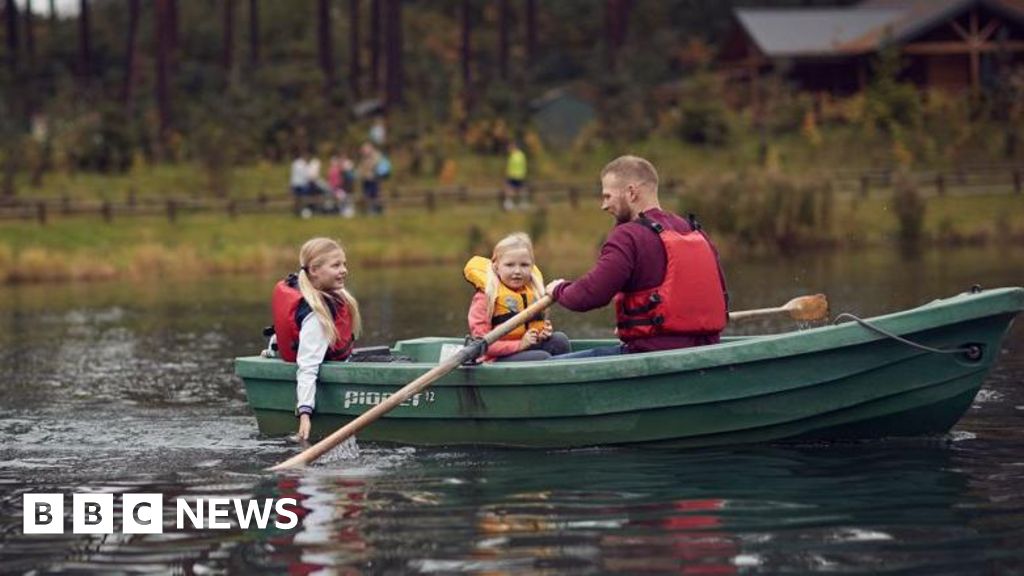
{"x":808,"y":308}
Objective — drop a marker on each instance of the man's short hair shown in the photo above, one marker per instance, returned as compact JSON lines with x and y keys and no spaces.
{"x":632,"y":169}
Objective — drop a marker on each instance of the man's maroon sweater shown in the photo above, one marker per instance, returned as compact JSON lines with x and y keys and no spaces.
{"x":632,"y":258}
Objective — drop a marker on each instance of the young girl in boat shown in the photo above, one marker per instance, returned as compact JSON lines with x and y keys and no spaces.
{"x":315,"y":319}
{"x":505,"y":285}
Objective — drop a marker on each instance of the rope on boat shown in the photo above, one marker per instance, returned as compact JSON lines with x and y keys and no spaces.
{"x":972,"y":351}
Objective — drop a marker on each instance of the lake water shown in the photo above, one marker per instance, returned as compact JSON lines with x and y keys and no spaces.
{"x":129,"y":388}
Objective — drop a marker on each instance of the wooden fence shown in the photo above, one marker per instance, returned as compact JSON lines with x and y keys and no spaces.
{"x":961,"y":181}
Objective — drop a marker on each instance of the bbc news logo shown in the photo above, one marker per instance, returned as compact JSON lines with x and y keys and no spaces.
{"x":144,"y":513}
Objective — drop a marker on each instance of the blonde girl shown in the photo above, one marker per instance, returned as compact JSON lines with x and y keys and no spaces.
{"x":315,"y":319}
{"x":505,"y":285}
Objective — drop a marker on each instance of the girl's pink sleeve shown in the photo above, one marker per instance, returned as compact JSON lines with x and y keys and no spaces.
{"x":480,"y":324}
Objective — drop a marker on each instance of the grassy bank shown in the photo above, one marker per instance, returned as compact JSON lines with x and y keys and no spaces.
{"x":84,"y":248}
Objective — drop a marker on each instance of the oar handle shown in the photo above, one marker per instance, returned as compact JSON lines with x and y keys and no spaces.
{"x":757,"y":312}
{"x":469,"y":352}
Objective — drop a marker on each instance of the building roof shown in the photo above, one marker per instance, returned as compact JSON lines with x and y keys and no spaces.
{"x":811,"y":32}
{"x":859,"y":29}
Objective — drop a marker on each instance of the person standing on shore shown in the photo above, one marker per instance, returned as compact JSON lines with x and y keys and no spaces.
{"x":369,"y":161}
{"x":515,"y":177}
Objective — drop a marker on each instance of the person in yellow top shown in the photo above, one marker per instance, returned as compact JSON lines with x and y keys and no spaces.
{"x":506,"y":284}
{"x":515,"y":177}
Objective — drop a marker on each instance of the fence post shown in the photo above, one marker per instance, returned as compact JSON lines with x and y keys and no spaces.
{"x":463,"y":195}
{"x":41,"y":212}
{"x":262,"y":199}
{"x":865,"y":185}
{"x":131,"y":198}
{"x":172,"y":210}
{"x":574,"y":197}
{"x":107,"y":211}
{"x":1016,"y":181}
{"x":940,"y":184}
{"x":431,"y":201}
{"x":65,"y":204}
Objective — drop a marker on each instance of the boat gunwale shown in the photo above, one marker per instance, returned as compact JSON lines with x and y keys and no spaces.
{"x":964,"y":307}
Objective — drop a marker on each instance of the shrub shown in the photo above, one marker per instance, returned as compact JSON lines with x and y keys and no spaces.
{"x":909,"y":206}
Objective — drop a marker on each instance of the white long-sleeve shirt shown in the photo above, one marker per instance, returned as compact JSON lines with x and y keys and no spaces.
{"x":313,"y":344}
{"x":300,"y":173}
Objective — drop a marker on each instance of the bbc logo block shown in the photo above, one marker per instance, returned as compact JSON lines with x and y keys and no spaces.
{"x":43,"y":514}
{"x":143,"y":513}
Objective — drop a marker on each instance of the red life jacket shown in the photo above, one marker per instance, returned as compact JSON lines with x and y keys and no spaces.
{"x":289,"y":308}
{"x":691,"y":298}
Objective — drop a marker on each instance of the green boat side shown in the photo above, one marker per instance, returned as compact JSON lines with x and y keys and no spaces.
{"x":839,"y":381}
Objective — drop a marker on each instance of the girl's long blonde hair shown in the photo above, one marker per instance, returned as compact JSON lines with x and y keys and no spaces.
{"x":313,"y":253}
{"x":514,"y":241}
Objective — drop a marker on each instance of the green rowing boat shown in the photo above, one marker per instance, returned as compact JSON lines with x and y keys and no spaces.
{"x":909,"y":373}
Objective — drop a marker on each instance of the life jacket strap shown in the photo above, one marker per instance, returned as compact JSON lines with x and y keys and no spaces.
{"x":502,"y":318}
{"x":652,"y":302}
{"x":634,"y":322}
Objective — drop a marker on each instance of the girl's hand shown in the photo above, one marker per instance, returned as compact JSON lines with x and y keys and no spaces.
{"x":530,"y":338}
{"x":546,"y":332}
{"x":304,"y":426}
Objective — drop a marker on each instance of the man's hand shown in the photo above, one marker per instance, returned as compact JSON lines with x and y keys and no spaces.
{"x":304,"y":426}
{"x":550,"y":288}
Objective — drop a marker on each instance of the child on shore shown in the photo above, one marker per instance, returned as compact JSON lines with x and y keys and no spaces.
{"x":505,"y":285}
{"x":315,"y":319}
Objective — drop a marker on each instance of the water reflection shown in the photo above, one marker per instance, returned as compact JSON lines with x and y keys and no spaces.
{"x":776,"y":509}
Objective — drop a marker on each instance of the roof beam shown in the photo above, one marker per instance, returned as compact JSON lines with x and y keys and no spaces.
{"x":938,"y":48}
{"x":960,"y":30}
{"x":988,"y":30}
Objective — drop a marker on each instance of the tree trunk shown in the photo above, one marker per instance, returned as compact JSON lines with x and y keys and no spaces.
{"x":84,"y":41}
{"x":53,"y":15}
{"x":375,"y":45}
{"x":30,"y":36}
{"x":254,"y":33}
{"x":229,"y":35}
{"x":12,"y":36}
{"x":10,"y":167}
{"x":325,"y":47}
{"x":11,"y":116}
{"x":134,"y":7}
{"x":531,"y":30}
{"x":395,"y":74}
{"x":504,"y":18}
{"x":616,"y":23}
{"x":172,"y":36}
{"x":353,"y":47}
{"x":163,"y":27}
{"x":466,"y":55}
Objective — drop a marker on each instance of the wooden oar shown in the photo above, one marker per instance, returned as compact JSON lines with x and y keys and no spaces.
{"x":469,"y":352}
{"x":803,"y":308}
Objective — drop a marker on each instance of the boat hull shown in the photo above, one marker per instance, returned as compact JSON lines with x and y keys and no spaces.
{"x":828,"y":383}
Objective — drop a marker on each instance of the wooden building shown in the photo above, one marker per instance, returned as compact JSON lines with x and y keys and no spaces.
{"x":952,"y":45}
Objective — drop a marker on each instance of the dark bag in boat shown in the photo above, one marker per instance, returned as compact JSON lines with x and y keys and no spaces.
{"x":376,"y":354}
